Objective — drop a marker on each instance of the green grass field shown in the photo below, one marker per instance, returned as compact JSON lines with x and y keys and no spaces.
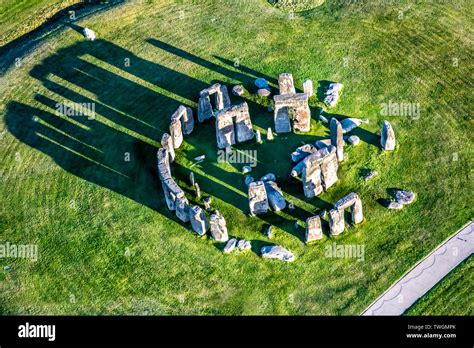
{"x":107,"y":243}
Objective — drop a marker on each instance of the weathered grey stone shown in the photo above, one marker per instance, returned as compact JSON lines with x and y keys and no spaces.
{"x":248,"y":180}
{"x":204,"y":108}
{"x":308,"y":87}
{"x":395,"y":205}
{"x":353,"y":140}
{"x":167,"y":143}
{"x":313,"y":229}
{"x":277,"y":252}
{"x":322,"y":143}
{"x":336,"y":221}
{"x":292,"y":107}
{"x":185,"y":116}
{"x":332,"y":94}
{"x":322,"y":118}
{"x":200,"y":158}
{"x":275,"y":196}
{"x":387,"y":139}
{"x":197,"y":190}
{"x":264,"y":92}
{"x":182,"y":209}
{"x":243,"y":123}
{"x":404,"y":197}
{"x":349,"y":124}
{"x":244,"y":245}
{"x":176,"y":132}
{"x":246,"y":169}
{"x":311,"y":177}
{"x":258,"y":136}
{"x":218,"y":228}
{"x":329,"y":166}
{"x":88,"y":34}
{"x":231,"y":244}
{"x":268,"y":177}
{"x":302,"y":152}
{"x":163,"y":158}
{"x":225,"y":132}
{"x":269,"y":134}
{"x":171,"y":192}
{"x":336,"y":138}
{"x":353,"y":201}
{"x":207,"y":202}
{"x":261,"y":83}
{"x":238,"y":90}
{"x":286,"y":84}
{"x":269,"y":231}
{"x":222,"y":99}
{"x":191,"y":178}
{"x":258,"y":201}
{"x":198,"y":220}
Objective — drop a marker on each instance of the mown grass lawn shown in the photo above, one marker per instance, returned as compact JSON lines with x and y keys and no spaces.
{"x":107,"y":243}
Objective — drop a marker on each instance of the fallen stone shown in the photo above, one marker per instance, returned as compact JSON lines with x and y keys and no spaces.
{"x":323,"y":119}
{"x":353,"y":140}
{"x":230,"y":245}
{"x":200,"y":158}
{"x":237,"y":90}
{"x":404,"y":197}
{"x":349,"y":124}
{"x":268,"y":177}
{"x":244,"y":245}
{"x":322,"y":143}
{"x":275,"y":196}
{"x":302,"y":152}
{"x":277,"y":252}
{"x":218,"y":228}
{"x":261,"y":83}
{"x":395,"y":205}
{"x":263,"y":92}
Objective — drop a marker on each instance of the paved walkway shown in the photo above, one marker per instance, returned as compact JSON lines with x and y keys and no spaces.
{"x":425,"y":274}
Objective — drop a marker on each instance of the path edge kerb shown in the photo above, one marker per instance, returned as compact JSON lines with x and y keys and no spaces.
{"x":416,"y":264}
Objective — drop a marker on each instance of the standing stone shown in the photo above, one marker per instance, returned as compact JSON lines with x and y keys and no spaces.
{"x":207,"y":203}
{"x":387,"y":139}
{"x":302,"y":152}
{"x":258,"y":136}
{"x":176,"y":133}
{"x":182,"y":209}
{"x":243,"y":123}
{"x":167,"y":143}
{"x":269,"y":134}
{"x":353,"y":201}
{"x":185,"y":116}
{"x":356,"y":211}
{"x":285,"y":83}
{"x":275,"y":196}
{"x":308,"y":87}
{"x":230,"y":245}
{"x":277,"y":252}
{"x":329,"y":166}
{"x":264,"y":92}
{"x":164,"y":170}
{"x":292,"y":107}
{"x":218,"y":228}
{"x":258,"y":201}
{"x":198,"y":220}
{"x":336,"y":221}
{"x":225,"y":133}
{"x":222,"y":97}
{"x":204,"y":108}
{"x":313,"y":228}
{"x":282,"y":120}
{"x":171,"y":192}
{"x":191,"y":178}
{"x":238,"y":90}
{"x":336,"y":138}
{"x":197,"y":190}
{"x":269,"y":231}
{"x":311,"y":177}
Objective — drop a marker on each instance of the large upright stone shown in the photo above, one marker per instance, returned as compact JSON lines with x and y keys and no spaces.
{"x":222,"y":97}
{"x":176,"y":132}
{"x":198,"y":220}
{"x":313,"y":228}
{"x":286,"y":84}
{"x":352,"y":201}
{"x":225,"y":132}
{"x":204,"y":108}
{"x":292,"y":107}
{"x":308,"y":87}
{"x":172,"y":192}
{"x":258,"y":201}
{"x":182,"y":209}
{"x":329,"y":166}
{"x":336,"y":221}
{"x":164,"y":170}
{"x":337,"y":138}
{"x":311,"y":178}
{"x":218,"y":228}
{"x":243,"y":123}
{"x":185,"y":115}
{"x":275,"y":196}
{"x":302,"y":152}
{"x":387,"y":139}
{"x":167,"y":143}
